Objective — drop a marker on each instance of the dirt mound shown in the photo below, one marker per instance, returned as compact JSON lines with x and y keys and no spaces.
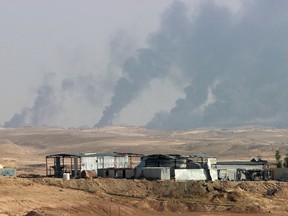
{"x":48,"y":196}
{"x":171,"y":196}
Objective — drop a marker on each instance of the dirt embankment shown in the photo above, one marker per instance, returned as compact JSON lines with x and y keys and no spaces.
{"x":48,"y":196}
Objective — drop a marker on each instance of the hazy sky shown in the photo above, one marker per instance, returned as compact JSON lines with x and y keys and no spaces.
{"x":165,"y":64}
{"x":68,"y":39}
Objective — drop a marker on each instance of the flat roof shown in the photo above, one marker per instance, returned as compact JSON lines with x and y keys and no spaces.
{"x":241,"y":163}
{"x":180,"y":155}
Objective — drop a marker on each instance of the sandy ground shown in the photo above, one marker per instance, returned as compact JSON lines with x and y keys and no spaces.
{"x":47,"y":196}
{"x":25,"y":149}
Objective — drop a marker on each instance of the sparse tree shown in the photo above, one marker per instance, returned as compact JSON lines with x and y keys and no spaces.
{"x":279,"y":164}
{"x":277,"y":155}
{"x":278,"y":159}
{"x":285,"y":164}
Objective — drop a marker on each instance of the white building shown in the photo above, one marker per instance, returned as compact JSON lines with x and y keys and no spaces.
{"x":76,"y":163}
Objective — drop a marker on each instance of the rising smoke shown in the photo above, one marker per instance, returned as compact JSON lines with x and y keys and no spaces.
{"x":60,"y":101}
{"x":44,"y":107}
{"x":149,"y":63}
{"x":54,"y":99}
{"x":236,"y":67}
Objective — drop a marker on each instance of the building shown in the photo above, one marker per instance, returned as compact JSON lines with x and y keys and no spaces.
{"x":243,"y":170}
{"x":75,"y":164}
{"x":178,"y":167}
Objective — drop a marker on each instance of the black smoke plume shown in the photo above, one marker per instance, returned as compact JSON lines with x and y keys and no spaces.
{"x":236,"y":66}
{"x":148,"y":64}
{"x":44,"y":107}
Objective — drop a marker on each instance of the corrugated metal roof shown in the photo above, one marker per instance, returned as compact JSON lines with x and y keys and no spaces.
{"x":119,"y":154}
{"x":63,"y":155}
{"x":130,"y":154}
{"x":87,"y":155}
{"x":180,"y":155}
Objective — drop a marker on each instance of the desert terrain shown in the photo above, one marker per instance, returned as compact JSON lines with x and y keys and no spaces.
{"x":31,"y":193}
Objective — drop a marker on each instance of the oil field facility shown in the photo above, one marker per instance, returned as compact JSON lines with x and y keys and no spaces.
{"x":157,"y":166}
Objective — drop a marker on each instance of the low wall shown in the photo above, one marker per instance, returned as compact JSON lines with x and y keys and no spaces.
{"x":213,"y":174}
{"x":116,"y":173}
{"x":130,"y":173}
{"x":232,"y":174}
{"x":280,"y":174}
{"x":162,"y":173}
{"x":191,"y":174}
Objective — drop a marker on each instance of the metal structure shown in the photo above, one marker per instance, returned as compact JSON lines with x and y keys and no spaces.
{"x":181,"y":167}
{"x":176,"y":161}
{"x":255,"y":169}
{"x":74,"y":164}
{"x":155,"y":166}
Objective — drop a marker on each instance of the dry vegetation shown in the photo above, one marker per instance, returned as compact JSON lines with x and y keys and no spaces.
{"x":26,"y":148}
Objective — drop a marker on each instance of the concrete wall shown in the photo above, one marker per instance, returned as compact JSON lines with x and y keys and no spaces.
{"x":213,"y":174}
{"x":116,"y":173}
{"x":222,"y":174}
{"x":211,"y":162}
{"x":191,"y":174}
{"x":102,"y":173}
{"x":130,"y":173}
{"x":232,"y":174}
{"x":229,"y":174}
{"x":280,"y":174}
{"x":109,"y":173}
{"x":162,"y":173}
